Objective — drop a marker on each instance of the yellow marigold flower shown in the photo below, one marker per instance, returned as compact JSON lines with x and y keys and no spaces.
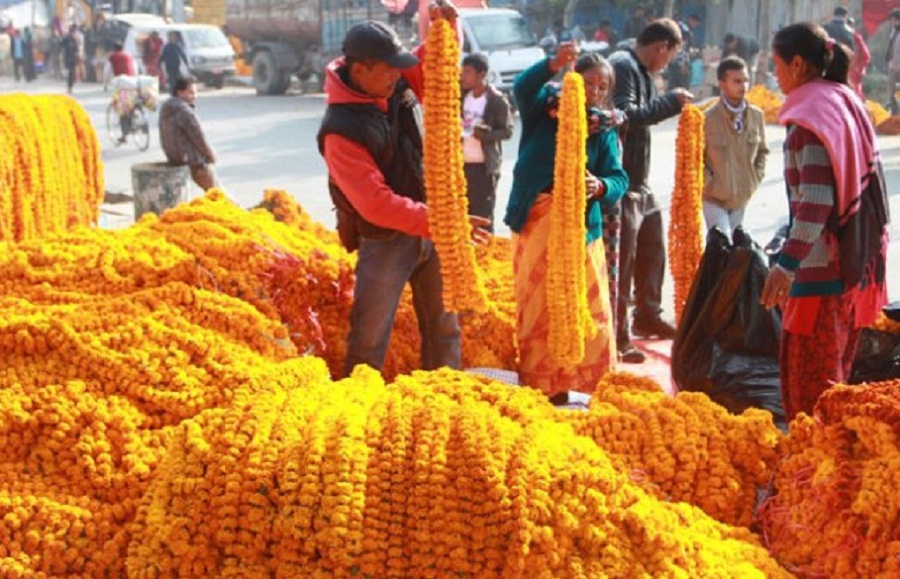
{"x":567,"y":305}
{"x":445,"y":180}
{"x":686,"y":230}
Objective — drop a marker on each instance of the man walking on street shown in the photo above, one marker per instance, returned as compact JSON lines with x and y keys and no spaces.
{"x":839,"y":29}
{"x":893,"y":61}
{"x":643,"y":252}
{"x":18,"y":54}
{"x":486,"y":122}
{"x":182,"y":136}
{"x":171,"y":59}
{"x":70,"y":57}
{"x":735,"y":151}
{"x":371,"y":140}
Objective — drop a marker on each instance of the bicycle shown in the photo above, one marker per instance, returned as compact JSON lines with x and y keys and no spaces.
{"x":130,"y":97}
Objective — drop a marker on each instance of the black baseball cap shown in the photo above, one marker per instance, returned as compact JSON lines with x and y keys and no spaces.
{"x":376,"y":40}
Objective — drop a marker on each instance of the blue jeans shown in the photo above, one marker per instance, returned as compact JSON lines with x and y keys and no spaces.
{"x":383,"y":268}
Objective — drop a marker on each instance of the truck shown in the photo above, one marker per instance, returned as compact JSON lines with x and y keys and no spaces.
{"x":282,"y":38}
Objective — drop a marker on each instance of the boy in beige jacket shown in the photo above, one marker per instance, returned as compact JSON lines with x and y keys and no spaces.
{"x":736,"y":149}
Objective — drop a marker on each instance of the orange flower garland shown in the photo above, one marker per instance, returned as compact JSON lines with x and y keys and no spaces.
{"x":360,"y":478}
{"x":567,"y":305}
{"x":686,"y":230}
{"x":51,"y":177}
{"x":445,"y":181}
{"x":835,"y":506}
{"x":769,"y":102}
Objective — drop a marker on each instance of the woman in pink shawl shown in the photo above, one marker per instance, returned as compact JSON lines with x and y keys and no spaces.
{"x":837,"y":208}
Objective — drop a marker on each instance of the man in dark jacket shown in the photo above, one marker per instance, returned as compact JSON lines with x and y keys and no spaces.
{"x":643,"y":253}
{"x":182,"y":136}
{"x":372,"y":142}
{"x":171,"y":59}
{"x":486,"y":123}
{"x":70,"y":56}
{"x":839,"y":28}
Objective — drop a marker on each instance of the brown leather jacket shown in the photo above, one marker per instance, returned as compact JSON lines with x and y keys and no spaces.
{"x":182,"y":136}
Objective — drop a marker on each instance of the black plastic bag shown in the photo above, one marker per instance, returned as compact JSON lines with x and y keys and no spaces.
{"x":878,"y":354}
{"x":727,"y":343}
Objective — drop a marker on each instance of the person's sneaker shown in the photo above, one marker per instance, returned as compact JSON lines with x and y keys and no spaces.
{"x":631,"y":355}
{"x":657,"y":328}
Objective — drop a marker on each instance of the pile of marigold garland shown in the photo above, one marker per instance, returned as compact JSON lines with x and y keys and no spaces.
{"x":159,"y":420}
{"x":51,"y":176}
{"x":835,"y":508}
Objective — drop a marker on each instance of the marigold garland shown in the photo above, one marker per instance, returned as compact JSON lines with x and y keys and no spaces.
{"x":158,"y":421}
{"x":51,"y":176}
{"x":445,"y":180}
{"x":686,"y":230}
{"x":886,"y":324}
{"x":682,"y":448}
{"x":360,"y":478}
{"x":835,"y":508}
{"x":570,"y":322}
{"x":768,"y":101}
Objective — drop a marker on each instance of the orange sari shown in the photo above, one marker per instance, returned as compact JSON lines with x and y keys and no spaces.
{"x":536,"y":368}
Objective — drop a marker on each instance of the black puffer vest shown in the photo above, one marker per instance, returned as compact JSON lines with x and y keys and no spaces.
{"x":394,"y":139}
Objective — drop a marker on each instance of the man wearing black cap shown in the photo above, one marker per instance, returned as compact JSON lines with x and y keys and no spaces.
{"x":839,"y":29}
{"x":371,"y":139}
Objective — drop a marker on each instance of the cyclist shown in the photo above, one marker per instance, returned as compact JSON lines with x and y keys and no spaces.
{"x":122,"y":64}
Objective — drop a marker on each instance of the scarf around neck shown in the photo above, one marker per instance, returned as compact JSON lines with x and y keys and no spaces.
{"x":737,"y":113}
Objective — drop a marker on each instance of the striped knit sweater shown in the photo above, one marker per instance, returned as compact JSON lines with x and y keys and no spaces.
{"x":811,"y":250}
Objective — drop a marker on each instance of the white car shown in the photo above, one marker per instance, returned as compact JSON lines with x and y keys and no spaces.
{"x":210,"y":55}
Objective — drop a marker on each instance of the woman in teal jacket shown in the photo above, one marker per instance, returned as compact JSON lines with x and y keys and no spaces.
{"x":528,"y":215}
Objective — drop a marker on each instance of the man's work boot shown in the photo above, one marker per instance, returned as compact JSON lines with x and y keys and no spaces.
{"x":656,"y":328}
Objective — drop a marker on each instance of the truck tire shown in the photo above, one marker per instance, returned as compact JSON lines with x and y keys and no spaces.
{"x":266,"y":77}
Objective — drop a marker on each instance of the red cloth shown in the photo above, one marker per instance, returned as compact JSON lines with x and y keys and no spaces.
{"x":810,"y":364}
{"x":152,"y":50}
{"x":875,"y":12}
{"x":858,"y":64}
{"x":122,"y":63}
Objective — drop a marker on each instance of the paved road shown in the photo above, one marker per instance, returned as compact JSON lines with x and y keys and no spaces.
{"x":270,"y":143}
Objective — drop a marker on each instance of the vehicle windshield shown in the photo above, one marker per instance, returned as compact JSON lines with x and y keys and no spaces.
{"x":206,"y":38}
{"x":501,"y":31}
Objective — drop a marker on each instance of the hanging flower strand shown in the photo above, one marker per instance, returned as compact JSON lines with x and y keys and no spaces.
{"x":567,"y":304}
{"x":686,"y":230}
{"x":445,"y":181}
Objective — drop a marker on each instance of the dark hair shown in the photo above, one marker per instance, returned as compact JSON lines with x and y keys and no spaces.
{"x":663,"y":29}
{"x":477,"y":61}
{"x":732,"y":62}
{"x":840,"y":11}
{"x":811,"y":43}
{"x":590,"y":60}
{"x":182,"y":83}
{"x":117,"y":46}
{"x":730,"y":37}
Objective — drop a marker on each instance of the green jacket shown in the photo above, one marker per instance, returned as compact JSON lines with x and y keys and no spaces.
{"x":533,"y":172}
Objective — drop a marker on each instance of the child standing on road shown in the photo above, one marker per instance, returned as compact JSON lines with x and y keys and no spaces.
{"x":736,"y":150}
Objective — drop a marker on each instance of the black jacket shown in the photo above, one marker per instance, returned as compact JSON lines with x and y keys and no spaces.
{"x":635,"y":94}
{"x":841,"y":32}
{"x":394,"y":140}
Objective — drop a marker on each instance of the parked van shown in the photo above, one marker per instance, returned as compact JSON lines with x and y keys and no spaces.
{"x":209,"y":54}
{"x":503,"y":36}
